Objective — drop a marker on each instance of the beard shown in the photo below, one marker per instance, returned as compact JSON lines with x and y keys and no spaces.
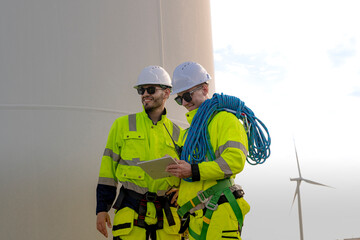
{"x":155,"y":103}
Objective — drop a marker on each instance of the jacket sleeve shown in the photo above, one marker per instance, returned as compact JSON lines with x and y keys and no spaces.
{"x":229,"y":141}
{"x":105,"y":196}
{"x":107,"y":183}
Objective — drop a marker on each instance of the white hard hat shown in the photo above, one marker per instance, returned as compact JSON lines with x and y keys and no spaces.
{"x":188,"y":75}
{"x":154,"y":75}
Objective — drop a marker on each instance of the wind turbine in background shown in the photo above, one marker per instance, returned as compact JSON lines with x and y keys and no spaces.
{"x":297,"y":192}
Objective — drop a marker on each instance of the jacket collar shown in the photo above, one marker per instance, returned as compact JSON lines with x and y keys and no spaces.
{"x":190,"y":115}
{"x":146,"y":116}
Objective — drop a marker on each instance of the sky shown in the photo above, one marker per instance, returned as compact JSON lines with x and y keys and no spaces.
{"x":296,"y":64}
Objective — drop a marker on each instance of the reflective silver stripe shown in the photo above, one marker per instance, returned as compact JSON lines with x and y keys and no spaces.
{"x":176,"y":132}
{"x":107,"y":181}
{"x":132,"y":122}
{"x":115,"y":157}
{"x":231,"y":144}
{"x":224,"y":167}
{"x":132,"y":162}
{"x":134,"y":187}
{"x":141,"y":190}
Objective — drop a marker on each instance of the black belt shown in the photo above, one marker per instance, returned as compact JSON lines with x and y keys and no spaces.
{"x":237,"y":194}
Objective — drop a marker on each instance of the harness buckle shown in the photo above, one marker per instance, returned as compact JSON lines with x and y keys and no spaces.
{"x":209,"y":205}
{"x":201,"y":196}
{"x":150,"y":196}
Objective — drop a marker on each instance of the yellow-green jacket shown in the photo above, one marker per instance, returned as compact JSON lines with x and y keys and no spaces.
{"x":135,"y":138}
{"x":229,"y":141}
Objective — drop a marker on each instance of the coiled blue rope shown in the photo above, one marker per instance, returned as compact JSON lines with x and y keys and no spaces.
{"x":197,"y":145}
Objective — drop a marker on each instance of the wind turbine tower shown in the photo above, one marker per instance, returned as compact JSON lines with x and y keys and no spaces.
{"x":297,"y":193}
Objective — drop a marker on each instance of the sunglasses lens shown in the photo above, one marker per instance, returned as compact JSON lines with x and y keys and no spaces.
{"x":178,"y":99}
{"x":187,"y":97}
{"x":141,"y":91}
{"x":151,"y":90}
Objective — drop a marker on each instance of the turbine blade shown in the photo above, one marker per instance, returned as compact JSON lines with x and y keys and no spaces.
{"x":296,"y":192}
{"x":316,"y":183}
{"x":297,"y":159}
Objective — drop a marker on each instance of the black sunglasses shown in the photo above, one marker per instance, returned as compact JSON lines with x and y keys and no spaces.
{"x":150,"y":90}
{"x":186,"y":96}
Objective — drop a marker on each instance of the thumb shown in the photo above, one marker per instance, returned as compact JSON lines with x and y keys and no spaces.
{"x":108,"y":221}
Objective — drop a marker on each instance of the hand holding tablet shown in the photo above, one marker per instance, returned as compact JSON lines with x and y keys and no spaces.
{"x":156,"y":168}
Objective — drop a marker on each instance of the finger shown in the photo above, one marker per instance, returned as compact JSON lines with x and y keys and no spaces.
{"x":99,"y":226}
{"x":102,"y":229}
{"x":171,"y":191}
{"x":174,"y":198}
{"x":108,"y":222}
{"x":172,"y":166}
{"x":179,"y":161}
{"x":172,"y":171}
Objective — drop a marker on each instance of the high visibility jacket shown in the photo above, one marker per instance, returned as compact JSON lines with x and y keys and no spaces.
{"x":229,"y":142}
{"x":135,"y":138}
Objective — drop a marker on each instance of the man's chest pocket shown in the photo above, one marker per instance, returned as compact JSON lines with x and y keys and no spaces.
{"x":135,"y":145}
{"x":169,"y":148}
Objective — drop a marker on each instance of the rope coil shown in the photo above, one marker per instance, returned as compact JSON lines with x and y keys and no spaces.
{"x":197,"y":144}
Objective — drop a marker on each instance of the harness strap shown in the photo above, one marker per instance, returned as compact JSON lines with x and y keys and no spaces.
{"x":159,"y":214}
{"x":150,"y":197}
{"x":184,"y":223}
{"x":186,"y":219}
{"x":211,"y":206}
{"x":150,"y":230}
{"x":138,"y":202}
{"x":142,"y":213}
{"x":203,"y":196}
{"x":222,"y":187}
{"x":193,"y":234}
{"x":168,"y":214}
{"x":235,"y":207}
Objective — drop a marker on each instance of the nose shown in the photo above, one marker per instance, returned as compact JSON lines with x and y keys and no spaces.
{"x":145,"y":93}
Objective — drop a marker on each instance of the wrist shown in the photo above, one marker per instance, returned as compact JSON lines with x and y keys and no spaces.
{"x":195,"y":172}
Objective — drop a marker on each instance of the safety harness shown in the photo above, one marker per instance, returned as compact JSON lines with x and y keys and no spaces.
{"x":138,"y":202}
{"x":211,"y":199}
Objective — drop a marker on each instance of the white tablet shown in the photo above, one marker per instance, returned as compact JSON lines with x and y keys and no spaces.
{"x":156,"y":168}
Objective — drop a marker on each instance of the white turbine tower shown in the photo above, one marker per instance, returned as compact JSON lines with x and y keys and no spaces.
{"x":297,"y":192}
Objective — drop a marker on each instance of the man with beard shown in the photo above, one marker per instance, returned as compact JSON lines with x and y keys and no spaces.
{"x":143,"y":209}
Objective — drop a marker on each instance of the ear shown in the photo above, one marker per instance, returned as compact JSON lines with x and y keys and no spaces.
{"x":167,"y":93}
{"x":205,"y":89}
